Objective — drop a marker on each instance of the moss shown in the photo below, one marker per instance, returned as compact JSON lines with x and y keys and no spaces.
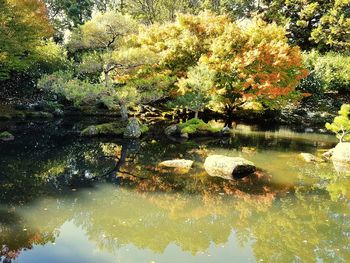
{"x":6,"y":136}
{"x":112,"y":128}
{"x":194,"y":126}
{"x":144,"y":128}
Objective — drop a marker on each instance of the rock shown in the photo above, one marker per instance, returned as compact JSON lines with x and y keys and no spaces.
{"x":341,"y":152}
{"x":184,"y":135}
{"x":342,"y":167}
{"x":226,"y":130}
{"x":309,"y":158}
{"x":341,"y":157}
{"x":127,"y":129}
{"x":105,"y":129}
{"x":58,"y":113}
{"x":193,"y":128}
{"x":197,"y":127}
{"x":178,"y":163}
{"x":6,"y":136}
{"x":133,"y":129}
{"x":327,"y":155}
{"x":172,"y":130}
{"x":249,"y":150}
{"x":228,"y":167}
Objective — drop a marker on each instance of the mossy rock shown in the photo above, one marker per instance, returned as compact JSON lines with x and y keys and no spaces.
{"x":6,"y":136}
{"x":105,"y":129}
{"x":110,"y":129}
{"x":39,"y":115}
{"x":197,"y":127}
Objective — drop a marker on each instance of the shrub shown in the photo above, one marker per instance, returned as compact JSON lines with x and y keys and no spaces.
{"x":196,"y":125}
{"x":341,"y":124}
{"x":75,"y":90}
{"x":328,"y":73}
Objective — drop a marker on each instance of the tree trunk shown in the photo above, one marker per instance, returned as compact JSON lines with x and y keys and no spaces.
{"x":106,"y":79}
{"x":196,"y":114}
{"x":229,"y":116}
{"x":122,"y":7}
{"x":124,"y":111}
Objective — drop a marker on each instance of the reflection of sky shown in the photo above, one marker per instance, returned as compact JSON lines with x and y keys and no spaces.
{"x":72,"y":246}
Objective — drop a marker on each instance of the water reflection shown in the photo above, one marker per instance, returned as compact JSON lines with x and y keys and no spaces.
{"x":299,"y":227}
{"x":110,"y":196}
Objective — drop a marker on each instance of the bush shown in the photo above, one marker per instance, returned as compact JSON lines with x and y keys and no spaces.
{"x":341,"y":124}
{"x":78,"y":91}
{"x":196,"y":125}
{"x":328,"y":73}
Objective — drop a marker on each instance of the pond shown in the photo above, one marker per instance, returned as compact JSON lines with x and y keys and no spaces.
{"x":60,"y":199}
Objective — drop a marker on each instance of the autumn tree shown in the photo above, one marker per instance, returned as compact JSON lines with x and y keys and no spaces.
{"x":24,"y":27}
{"x":250,"y":62}
{"x":253,"y":63}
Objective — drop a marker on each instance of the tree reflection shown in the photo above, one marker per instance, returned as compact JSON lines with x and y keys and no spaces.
{"x":284,"y":229}
{"x":151,"y":207}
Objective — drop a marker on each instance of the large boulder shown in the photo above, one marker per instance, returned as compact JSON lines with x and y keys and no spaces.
{"x":341,"y":157}
{"x":133,"y":129}
{"x":172,"y":130}
{"x":228,"y":167}
{"x":341,"y":152}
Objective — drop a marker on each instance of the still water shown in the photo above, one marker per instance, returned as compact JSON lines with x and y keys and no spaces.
{"x":60,"y":200}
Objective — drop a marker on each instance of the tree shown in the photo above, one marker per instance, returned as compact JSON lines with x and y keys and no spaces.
{"x":151,"y":11}
{"x":68,"y":14}
{"x":24,"y":25}
{"x":99,"y":38}
{"x":333,"y":31}
{"x":195,"y":89}
{"x":100,"y":49}
{"x":312,"y":24}
{"x":341,"y":124}
{"x":254,"y":63}
{"x":248,"y":62}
